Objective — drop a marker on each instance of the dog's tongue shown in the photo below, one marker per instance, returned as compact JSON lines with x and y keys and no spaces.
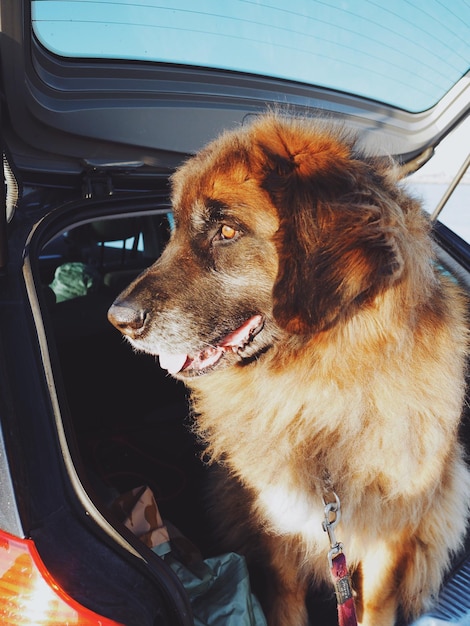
{"x":174,"y":363}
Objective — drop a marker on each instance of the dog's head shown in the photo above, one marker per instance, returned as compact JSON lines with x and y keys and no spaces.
{"x":281,"y":228}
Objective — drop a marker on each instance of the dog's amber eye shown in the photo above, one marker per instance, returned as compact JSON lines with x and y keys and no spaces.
{"x":227,"y":232}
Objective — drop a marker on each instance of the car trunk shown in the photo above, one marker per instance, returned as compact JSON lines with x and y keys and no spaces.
{"x":127,"y":424}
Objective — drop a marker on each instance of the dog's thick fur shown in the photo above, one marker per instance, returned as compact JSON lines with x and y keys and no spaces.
{"x":345,"y":371}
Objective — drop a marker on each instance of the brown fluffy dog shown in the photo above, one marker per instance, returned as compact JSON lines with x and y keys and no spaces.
{"x":299,"y":301}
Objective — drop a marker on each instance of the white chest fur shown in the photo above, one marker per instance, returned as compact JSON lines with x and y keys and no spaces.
{"x":294,"y":512}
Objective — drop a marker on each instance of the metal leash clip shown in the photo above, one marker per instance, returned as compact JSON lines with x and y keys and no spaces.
{"x":337,"y":561}
{"x":332,"y":517}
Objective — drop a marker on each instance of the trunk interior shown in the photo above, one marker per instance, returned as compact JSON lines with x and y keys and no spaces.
{"x":130,"y":421}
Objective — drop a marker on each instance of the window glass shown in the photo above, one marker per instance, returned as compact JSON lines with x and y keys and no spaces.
{"x":102,"y":255}
{"x":405,"y":53}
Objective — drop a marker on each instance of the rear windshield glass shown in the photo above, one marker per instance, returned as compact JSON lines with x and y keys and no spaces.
{"x":406,"y":53}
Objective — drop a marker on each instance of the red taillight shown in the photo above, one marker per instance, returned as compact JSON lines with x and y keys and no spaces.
{"x":29,"y":596}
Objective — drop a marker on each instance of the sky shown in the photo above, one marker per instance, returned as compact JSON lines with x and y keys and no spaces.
{"x":449,"y":156}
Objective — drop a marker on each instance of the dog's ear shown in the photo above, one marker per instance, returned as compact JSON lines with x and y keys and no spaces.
{"x":338,"y":242}
{"x":340,"y":268}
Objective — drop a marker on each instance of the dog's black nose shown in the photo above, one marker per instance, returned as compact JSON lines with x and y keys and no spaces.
{"x":127,"y":319}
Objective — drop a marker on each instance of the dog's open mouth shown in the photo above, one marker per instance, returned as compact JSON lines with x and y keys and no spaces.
{"x":207,"y":358}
